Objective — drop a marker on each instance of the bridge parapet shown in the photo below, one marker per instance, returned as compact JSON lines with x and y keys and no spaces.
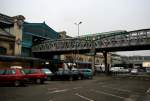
{"x":62,"y":45}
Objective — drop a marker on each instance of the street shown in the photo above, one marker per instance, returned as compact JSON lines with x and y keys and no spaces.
{"x":100,"y":88}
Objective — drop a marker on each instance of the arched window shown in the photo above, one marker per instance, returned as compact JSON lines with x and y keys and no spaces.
{"x":3,"y":51}
{"x":97,"y":61}
{"x":80,"y":59}
{"x":90,"y":59}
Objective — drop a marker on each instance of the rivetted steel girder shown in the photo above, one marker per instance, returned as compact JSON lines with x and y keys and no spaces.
{"x":129,"y":39}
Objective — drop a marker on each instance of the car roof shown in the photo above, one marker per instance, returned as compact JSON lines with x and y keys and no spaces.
{"x":19,"y":67}
{"x":9,"y":69}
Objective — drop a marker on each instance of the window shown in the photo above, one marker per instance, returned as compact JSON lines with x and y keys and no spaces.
{"x":3,"y":51}
{"x":9,"y":72}
{"x":90,"y":60}
{"x":30,"y":71}
{"x":2,"y":72}
{"x":26,"y":71}
{"x":34,"y":71}
{"x":11,"y":46}
{"x":26,"y":52}
{"x":80,"y":59}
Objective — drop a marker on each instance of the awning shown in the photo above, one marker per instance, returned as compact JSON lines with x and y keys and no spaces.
{"x":18,"y":58}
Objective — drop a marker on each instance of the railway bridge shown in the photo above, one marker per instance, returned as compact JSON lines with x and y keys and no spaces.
{"x":101,"y":42}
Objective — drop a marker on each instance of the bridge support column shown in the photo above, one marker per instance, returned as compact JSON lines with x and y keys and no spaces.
{"x":106,"y":64}
{"x":93,"y":61}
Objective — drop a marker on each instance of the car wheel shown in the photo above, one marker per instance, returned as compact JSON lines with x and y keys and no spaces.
{"x":17,"y":83}
{"x":71,"y":78}
{"x":79,"y":78}
{"x":42,"y":81}
{"x":38,"y":81}
{"x":91,"y":77}
{"x":82,"y":77}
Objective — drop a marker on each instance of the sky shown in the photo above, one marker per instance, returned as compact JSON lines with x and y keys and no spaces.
{"x":96,"y":15}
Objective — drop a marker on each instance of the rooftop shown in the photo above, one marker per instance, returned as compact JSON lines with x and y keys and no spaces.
{"x":40,"y":29}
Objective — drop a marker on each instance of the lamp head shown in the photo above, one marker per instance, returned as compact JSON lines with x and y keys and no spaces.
{"x":80,"y":22}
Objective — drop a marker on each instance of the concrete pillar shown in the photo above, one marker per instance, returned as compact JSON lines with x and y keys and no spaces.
{"x":93,"y":50}
{"x":93,"y":60}
{"x":106,"y":64}
{"x":18,"y":23}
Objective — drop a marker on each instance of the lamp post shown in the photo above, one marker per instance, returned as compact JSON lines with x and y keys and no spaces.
{"x":76,"y":41}
{"x":78,"y":26}
{"x":93,"y":53}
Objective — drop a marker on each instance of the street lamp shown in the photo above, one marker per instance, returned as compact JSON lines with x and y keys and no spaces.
{"x":76,"y":41}
{"x":78,"y":26}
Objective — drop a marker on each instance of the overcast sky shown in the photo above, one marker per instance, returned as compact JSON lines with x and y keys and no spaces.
{"x":96,"y":15}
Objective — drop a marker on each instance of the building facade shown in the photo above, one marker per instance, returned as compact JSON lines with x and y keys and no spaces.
{"x":10,"y":39}
{"x":12,"y":27}
{"x":17,"y":38}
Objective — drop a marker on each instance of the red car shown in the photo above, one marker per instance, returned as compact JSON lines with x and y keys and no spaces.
{"x":35,"y":75}
{"x":12,"y":75}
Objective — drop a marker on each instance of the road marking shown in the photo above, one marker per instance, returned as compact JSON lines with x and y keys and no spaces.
{"x":148,"y":90}
{"x":101,"y":83}
{"x":84,"y":97}
{"x":118,"y":89}
{"x":57,"y":91}
{"x":126,"y":99}
{"x":52,"y":88}
{"x":76,"y":87}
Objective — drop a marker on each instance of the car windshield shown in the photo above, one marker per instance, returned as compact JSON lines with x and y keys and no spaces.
{"x":30,"y":71}
{"x":26,"y":71}
{"x":47,"y":71}
{"x":22,"y":72}
{"x":66,"y":71}
{"x":87,"y":71}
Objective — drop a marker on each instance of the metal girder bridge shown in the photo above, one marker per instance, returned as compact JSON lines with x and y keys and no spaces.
{"x":133,"y":40}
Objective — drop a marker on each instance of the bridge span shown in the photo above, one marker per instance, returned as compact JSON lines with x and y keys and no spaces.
{"x":133,"y":40}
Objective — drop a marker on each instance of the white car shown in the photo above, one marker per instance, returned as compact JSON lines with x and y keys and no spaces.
{"x":134,"y":71}
{"x":118,"y":69}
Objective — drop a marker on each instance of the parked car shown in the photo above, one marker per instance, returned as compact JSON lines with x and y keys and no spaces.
{"x":66,"y":74}
{"x":48,"y":73}
{"x":75,"y":74}
{"x":12,"y":75}
{"x":35,"y":75}
{"x":86,"y":73}
{"x":148,"y":70}
{"x":134,"y":71}
{"x":99,"y":68}
{"x":119,"y":69}
{"x":61,"y":75}
{"x":138,"y":71}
